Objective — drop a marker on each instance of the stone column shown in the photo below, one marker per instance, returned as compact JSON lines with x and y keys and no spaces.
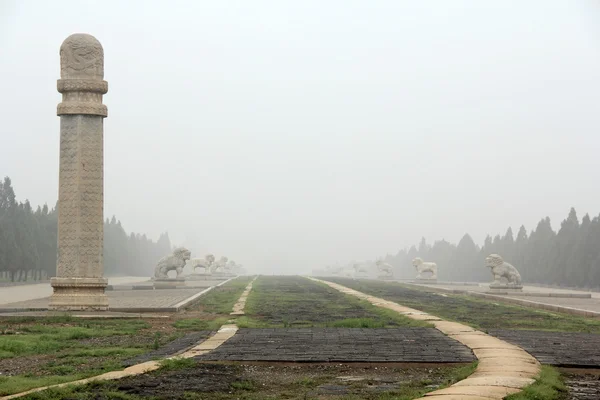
{"x":79,"y":283}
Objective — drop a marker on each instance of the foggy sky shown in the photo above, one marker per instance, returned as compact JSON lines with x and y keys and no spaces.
{"x":291,"y":134}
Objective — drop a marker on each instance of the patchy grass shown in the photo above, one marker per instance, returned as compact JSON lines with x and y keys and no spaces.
{"x":220,"y":300}
{"x":478,"y":313}
{"x":81,"y":348}
{"x":292,"y":301}
{"x":21,"y":337}
{"x":176,"y":363}
{"x":549,"y":386}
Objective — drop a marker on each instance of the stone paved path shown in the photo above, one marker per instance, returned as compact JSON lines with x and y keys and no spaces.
{"x":565,"y":349}
{"x":119,"y":300}
{"x":20,"y":293}
{"x":503,"y":368}
{"x":425,"y":345}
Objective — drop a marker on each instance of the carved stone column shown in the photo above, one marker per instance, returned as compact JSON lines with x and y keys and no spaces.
{"x":79,"y":283}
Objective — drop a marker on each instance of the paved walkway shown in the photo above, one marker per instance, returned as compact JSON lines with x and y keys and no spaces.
{"x":13,"y":294}
{"x":562,"y":349}
{"x":402,"y":345}
{"x":503,"y":368}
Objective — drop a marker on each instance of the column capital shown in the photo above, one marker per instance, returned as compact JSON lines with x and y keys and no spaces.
{"x":82,"y":81}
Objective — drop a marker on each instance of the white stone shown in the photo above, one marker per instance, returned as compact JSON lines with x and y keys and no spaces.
{"x":173,"y":262}
{"x":502,"y":270}
{"x":422,"y":266}
{"x":79,"y":283}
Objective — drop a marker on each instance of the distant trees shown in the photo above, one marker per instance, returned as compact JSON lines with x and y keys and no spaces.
{"x":28,"y":242}
{"x":569,"y":257}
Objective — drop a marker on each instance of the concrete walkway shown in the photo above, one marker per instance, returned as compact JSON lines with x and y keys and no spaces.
{"x":12,"y":294}
{"x":503,"y":368}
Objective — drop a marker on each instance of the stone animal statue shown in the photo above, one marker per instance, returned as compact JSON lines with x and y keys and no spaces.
{"x":230,"y":266}
{"x":384,"y":268}
{"x":205,"y":263}
{"x":422,"y":266}
{"x":175,"y":261}
{"x":360,"y":267}
{"x":501,"y":269}
{"x":219,"y":265}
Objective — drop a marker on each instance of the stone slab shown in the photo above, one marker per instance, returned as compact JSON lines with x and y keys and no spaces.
{"x":130,"y":301}
{"x":566,"y":349}
{"x":494,"y":392}
{"x":504,"y":381}
{"x":426,"y":345}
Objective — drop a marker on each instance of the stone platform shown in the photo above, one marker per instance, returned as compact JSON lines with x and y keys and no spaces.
{"x":563,"y":349}
{"x":398,"y":345}
{"x":132,"y":301}
{"x":561,"y":300}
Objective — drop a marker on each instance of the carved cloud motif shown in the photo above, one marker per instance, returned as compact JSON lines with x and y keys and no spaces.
{"x":81,"y":57}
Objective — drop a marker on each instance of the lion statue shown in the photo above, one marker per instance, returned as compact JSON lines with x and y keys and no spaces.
{"x":230,"y":266}
{"x":361,"y":269}
{"x":219,"y":265}
{"x":175,"y":261}
{"x":205,"y":263}
{"x":422,"y":266}
{"x":384,"y":268}
{"x":501,"y":269}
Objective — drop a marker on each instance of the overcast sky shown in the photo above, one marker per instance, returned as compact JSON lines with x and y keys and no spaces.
{"x":292,"y":134}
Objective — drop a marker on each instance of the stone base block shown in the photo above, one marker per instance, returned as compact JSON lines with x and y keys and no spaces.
{"x":168,"y":283}
{"x":199,"y":277}
{"x":78,"y":294}
{"x":425,"y":280}
{"x":505,"y":288}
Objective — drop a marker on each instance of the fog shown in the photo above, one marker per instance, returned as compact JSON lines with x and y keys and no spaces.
{"x":288,"y":135}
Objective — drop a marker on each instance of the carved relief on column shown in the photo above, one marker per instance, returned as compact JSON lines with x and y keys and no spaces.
{"x":79,"y":284}
{"x":82,"y":81}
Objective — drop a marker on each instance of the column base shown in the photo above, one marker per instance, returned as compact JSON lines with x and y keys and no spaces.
{"x":78,"y":294}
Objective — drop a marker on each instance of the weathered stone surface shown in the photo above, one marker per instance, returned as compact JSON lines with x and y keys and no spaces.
{"x":567,"y":349}
{"x":173,"y":262}
{"x":79,"y":284}
{"x":502,"y":270}
{"x":342,"y":345}
{"x":170,"y":349}
{"x":494,"y":392}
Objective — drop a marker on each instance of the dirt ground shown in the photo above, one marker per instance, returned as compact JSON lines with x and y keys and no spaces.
{"x":281,"y":381}
{"x":582,"y":384}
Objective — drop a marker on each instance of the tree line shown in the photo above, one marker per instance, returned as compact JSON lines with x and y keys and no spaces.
{"x":569,"y":257}
{"x":28,"y":242}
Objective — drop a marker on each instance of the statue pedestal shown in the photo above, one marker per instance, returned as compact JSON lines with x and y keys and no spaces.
{"x":501,"y":288}
{"x":78,"y":294}
{"x":220,"y":275}
{"x":168,"y":283}
{"x":425,"y":280}
{"x":199,"y":277}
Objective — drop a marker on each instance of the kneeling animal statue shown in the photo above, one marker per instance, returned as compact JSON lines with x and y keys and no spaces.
{"x":175,"y":261}
{"x":422,"y":266}
{"x":501,"y":269}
